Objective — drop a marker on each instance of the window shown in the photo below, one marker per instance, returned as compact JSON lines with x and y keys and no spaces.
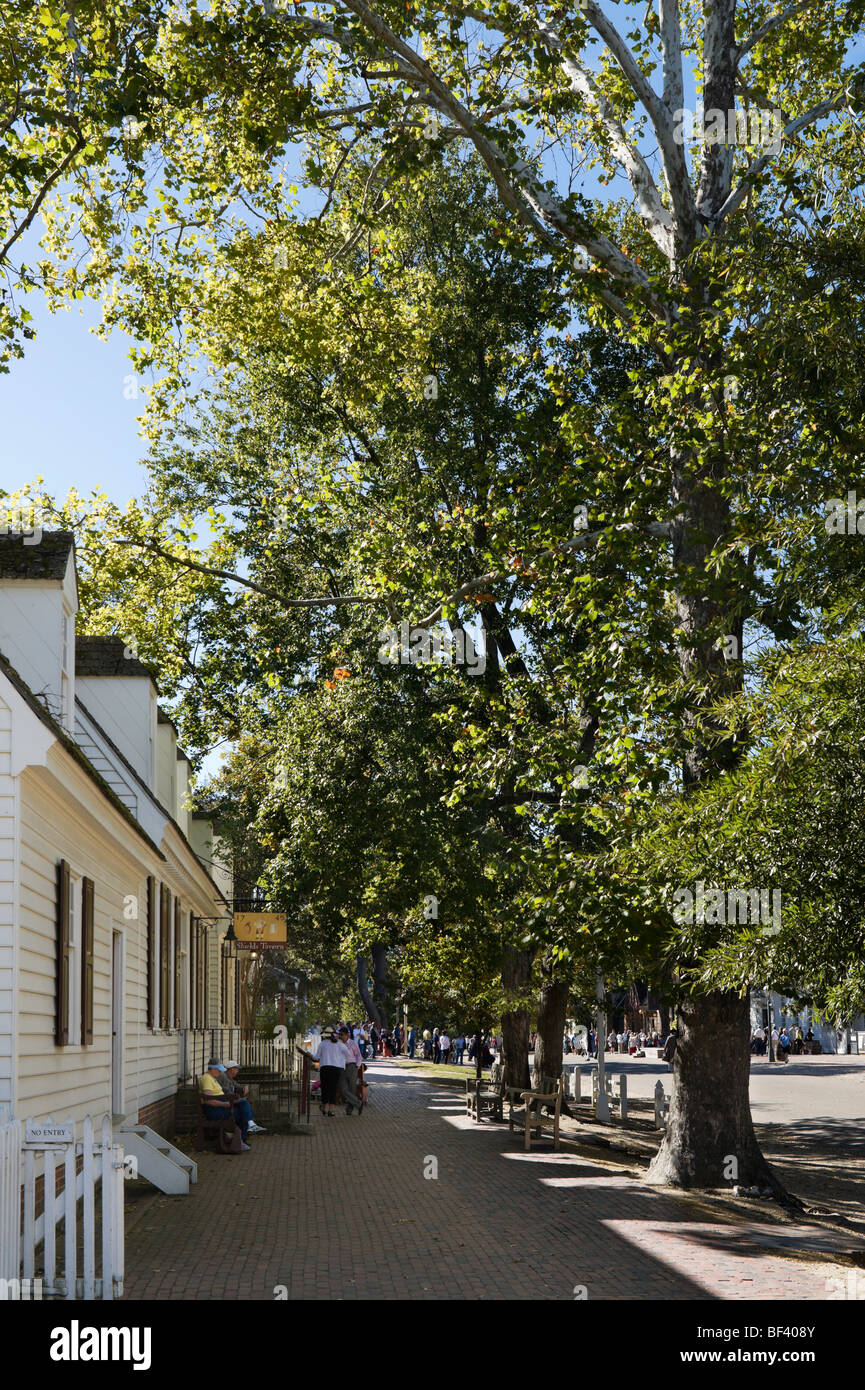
{"x":151,"y":953}
{"x":73,"y":996}
{"x":73,"y":1023}
{"x":164,"y":957}
{"x":177,"y":919}
{"x":62,"y":964}
{"x":87,"y":957}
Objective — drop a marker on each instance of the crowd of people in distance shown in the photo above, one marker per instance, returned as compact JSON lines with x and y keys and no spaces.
{"x":438,"y":1046}
{"x":629,"y":1041}
{"x":785,"y":1040}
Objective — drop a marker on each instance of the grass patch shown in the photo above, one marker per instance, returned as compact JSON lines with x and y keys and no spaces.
{"x":443,"y":1070}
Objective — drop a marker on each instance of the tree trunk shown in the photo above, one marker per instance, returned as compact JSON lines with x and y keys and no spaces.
{"x":516,"y":973}
{"x":379,"y":986}
{"x":372,"y":1010}
{"x":710,"y":1140}
{"x":552,"y":1008}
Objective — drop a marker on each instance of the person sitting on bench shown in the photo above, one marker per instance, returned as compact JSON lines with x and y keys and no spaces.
{"x":214,"y":1102}
{"x":238,"y":1093}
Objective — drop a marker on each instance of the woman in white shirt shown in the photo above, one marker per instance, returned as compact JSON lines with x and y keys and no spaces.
{"x":332,"y":1057}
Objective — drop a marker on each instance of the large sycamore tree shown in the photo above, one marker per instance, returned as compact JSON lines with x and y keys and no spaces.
{"x":546,"y":94}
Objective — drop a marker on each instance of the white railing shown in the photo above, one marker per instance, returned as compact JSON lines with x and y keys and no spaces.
{"x":53,"y":1244}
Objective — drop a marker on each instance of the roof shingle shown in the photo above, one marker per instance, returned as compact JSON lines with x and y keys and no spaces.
{"x":46,"y":560}
{"x":104,"y":656}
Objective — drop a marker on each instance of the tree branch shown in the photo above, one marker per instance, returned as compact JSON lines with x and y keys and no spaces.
{"x":770,"y":25}
{"x":671,"y":55}
{"x":673,"y":158}
{"x":64,"y":164}
{"x":655,"y":215}
{"x":758,"y":165}
{"x":526,"y":196}
{"x":233,"y":578}
{"x":662,"y":529}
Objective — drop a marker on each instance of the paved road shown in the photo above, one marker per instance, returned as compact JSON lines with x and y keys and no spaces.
{"x":347,"y":1213}
{"x":805,"y":1088}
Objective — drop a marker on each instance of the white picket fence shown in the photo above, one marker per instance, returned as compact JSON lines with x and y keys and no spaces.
{"x":29,"y":1243}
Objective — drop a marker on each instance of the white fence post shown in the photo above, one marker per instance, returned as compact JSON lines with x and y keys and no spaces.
{"x":623,"y":1097}
{"x":89,"y":1212}
{"x":10,"y":1195}
{"x":70,"y":1222}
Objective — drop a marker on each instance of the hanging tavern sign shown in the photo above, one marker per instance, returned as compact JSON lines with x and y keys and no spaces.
{"x":260,"y":931}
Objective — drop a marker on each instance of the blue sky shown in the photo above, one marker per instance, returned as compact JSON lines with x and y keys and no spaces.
{"x":63,"y":412}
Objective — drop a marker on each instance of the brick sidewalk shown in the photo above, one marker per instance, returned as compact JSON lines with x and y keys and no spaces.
{"x":347,"y":1213}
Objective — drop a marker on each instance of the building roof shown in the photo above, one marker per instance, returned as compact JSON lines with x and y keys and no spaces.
{"x":104,"y":656}
{"x":73,"y":750}
{"x":163,"y":718}
{"x":46,"y":560}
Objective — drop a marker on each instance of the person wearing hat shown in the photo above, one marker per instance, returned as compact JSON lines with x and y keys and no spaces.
{"x":348,"y":1077}
{"x":238,"y":1093}
{"x":215,"y":1103}
{"x":332,"y":1057}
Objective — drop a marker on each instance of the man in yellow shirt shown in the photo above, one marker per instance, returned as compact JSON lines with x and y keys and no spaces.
{"x":215,"y":1103}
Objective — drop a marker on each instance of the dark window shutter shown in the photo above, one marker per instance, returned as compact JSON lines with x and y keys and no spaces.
{"x":193,"y":972}
{"x":205,"y":997}
{"x":164,"y":937}
{"x":62,"y":982}
{"x":151,"y":953}
{"x":87,"y":932}
{"x":177,"y":920}
{"x":190,"y":974}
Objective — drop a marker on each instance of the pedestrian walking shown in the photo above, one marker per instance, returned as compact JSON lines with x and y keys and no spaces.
{"x":332,"y":1057}
{"x":348,"y":1079}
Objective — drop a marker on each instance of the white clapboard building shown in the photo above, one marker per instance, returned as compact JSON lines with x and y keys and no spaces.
{"x":110,"y":891}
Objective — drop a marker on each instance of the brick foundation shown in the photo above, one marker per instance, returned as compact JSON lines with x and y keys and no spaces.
{"x":159,"y":1116}
{"x":186,"y":1110}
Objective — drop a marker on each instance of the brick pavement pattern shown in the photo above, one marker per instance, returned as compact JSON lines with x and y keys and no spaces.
{"x":347,"y":1213}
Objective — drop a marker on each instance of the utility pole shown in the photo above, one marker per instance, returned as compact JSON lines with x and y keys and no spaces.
{"x":603,"y":1111}
{"x":769,"y":1044}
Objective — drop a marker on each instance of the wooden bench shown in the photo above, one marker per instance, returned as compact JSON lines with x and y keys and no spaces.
{"x":486,"y":1094}
{"x":550,"y":1093}
{"x":223,"y":1133}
